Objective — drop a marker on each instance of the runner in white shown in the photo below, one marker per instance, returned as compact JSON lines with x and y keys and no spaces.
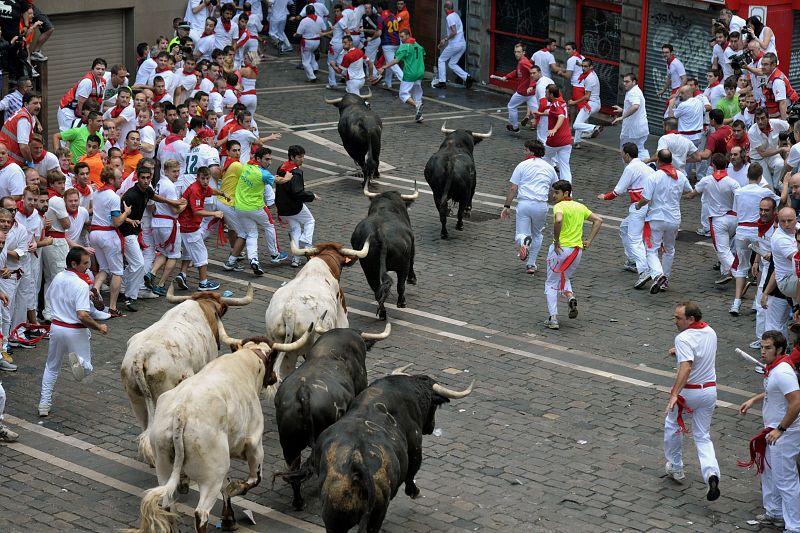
{"x":588,"y":104}
{"x":633,"y":116}
{"x":452,"y":47}
{"x":309,"y":30}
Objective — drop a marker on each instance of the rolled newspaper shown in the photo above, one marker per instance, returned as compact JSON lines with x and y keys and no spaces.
{"x":750,"y":358}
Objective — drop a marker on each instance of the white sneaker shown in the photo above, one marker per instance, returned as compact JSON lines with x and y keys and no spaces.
{"x":674,"y":472}
{"x":644,"y":277}
{"x":44,"y":409}
{"x":6,"y":435}
{"x":734,"y":310}
{"x":630,"y":266}
{"x":146,"y":294}
{"x":756,"y":344}
{"x":77,"y":368}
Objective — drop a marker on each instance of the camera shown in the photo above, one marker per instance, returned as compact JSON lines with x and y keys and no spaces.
{"x":793,"y":112}
{"x":213,"y":2}
{"x":746,"y":34}
{"x":739,"y":60}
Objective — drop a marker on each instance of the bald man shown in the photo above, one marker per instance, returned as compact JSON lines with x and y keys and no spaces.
{"x":783,"y":276}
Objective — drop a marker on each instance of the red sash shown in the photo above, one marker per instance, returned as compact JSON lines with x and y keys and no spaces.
{"x":565,"y":265}
{"x":67,"y":324}
{"x":758,"y":450}
{"x":172,"y":235}
{"x":111,"y":228}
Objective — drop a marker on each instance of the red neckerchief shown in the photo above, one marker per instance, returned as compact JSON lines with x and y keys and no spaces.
{"x":530,"y":157}
{"x":288,"y":166}
{"x":410,"y":40}
{"x":697,"y":324}
{"x":763,"y":227}
{"x":585,"y":74}
{"x":8,"y":162}
{"x":758,"y":451}
{"x":312,"y":16}
{"x":116,"y":111}
{"x":192,"y":73}
{"x":766,"y":131}
{"x":670,"y":59}
{"x":794,"y":357}
{"x":337,"y":19}
{"x":38,"y":159}
{"x":226,"y":25}
{"x":52,"y":192}
{"x":349,"y":7}
{"x":449,"y":11}
{"x":254,"y":69}
{"x":107,"y":187}
{"x":672,"y":172}
{"x":253,"y":162}
{"x":172,"y":138}
{"x":776,"y":362}
{"x":207,"y":33}
{"x":757,"y":59}
{"x":84,"y":190}
{"x":711,"y":86}
{"x":21,"y":208}
{"x":696,"y":93}
{"x":719,"y":174}
{"x":73,"y":214}
{"x":83,"y":275}
{"x":576,"y":54}
{"x":165,"y":69}
{"x":567,"y":199}
{"x":158,"y":97}
{"x":671,"y":131}
{"x":228,"y":162}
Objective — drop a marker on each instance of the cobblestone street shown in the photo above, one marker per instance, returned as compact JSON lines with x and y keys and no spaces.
{"x":564,"y":429}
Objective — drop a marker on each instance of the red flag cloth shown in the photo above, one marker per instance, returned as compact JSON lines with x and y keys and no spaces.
{"x":758,"y":450}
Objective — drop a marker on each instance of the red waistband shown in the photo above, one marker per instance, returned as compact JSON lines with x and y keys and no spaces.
{"x":55,"y":234}
{"x":67,"y":324}
{"x":166,"y":217}
{"x":699,"y":386}
{"x":731,"y":213}
{"x":250,"y":91}
{"x":102,"y":228}
{"x":748,"y":224}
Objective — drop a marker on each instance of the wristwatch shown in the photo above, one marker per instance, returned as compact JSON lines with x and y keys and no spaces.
{"x":781,"y":428}
{"x":507,"y":206}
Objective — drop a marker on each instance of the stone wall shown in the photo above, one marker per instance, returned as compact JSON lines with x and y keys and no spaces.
{"x":479,"y":12}
{"x":630,"y":39}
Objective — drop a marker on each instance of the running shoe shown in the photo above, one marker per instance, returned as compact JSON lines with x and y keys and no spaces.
{"x":208,"y":285}
{"x":713,"y":488}
{"x":675,"y":472}
{"x":180,"y":281}
{"x":531,"y":270}
{"x":469,"y":81}
{"x":440,"y":85}
{"x":256,"y":268}
{"x":771,"y":520}
{"x":114,"y":313}
{"x":44,"y":409}
{"x":6,"y":435}
{"x":735,"y":307}
{"x":551,"y":323}
{"x":573,"y":308}
{"x":279,"y":258}
{"x":232,"y":265}
{"x":78,"y":372}
{"x":150,"y":280}
{"x":38,"y":56}
{"x":295,"y":262}
{"x":658,"y":281}
{"x":644,"y":277}
{"x":160,"y":291}
{"x":512,"y":129}
{"x":523,"y":250}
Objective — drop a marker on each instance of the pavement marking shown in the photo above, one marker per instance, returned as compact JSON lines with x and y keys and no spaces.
{"x":136,"y":465}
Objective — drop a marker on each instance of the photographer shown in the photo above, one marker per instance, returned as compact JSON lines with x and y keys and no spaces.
{"x":778,"y":93}
{"x":765,"y":146}
{"x":729,"y":20}
{"x":755,"y":67}
{"x":761,"y":33}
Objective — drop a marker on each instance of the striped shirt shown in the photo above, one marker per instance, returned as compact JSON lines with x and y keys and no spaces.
{"x":11,"y":104}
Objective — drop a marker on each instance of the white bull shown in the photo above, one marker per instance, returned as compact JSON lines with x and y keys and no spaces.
{"x":200,"y":425}
{"x":314,"y":295}
{"x":177,"y":346}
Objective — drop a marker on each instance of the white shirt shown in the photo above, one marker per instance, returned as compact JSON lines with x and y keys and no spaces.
{"x":49,"y":162}
{"x":103,"y":204}
{"x":201,"y":155}
{"x":636,"y":124}
{"x":541,"y":89}
{"x":148,"y":136}
{"x":181,"y":79}
{"x":574,"y":67}
{"x":793,"y":159}
{"x":176,"y":150}
{"x":128,"y":114}
{"x":196,"y":20}
{"x":736,"y":24}
{"x":771,"y":44}
{"x":310,"y":29}
{"x":24,"y":130}
{"x":714,"y":94}
{"x":746,"y":200}
{"x":246,"y":139}
{"x":758,"y":82}
{"x":533,"y":178}
{"x":633,"y":180}
{"x":664,"y":195}
{"x":56,"y":209}
{"x":110,"y":96}
{"x":676,"y":70}
{"x":338,"y":32}
{"x":718,"y":195}
{"x":723,"y":56}
{"x":17,"y":239}
{"x":544,"y":58}
{"x":161,"y":127}
{"x":745,"y":116}
{"x":781,"y":381}
{"x":279,"y":9}
{"x":690,"y":114}
{"x":680,"y":146}
{"x":759,"y":139}
{"x":67,"y":295}
{"x":205,"y":45}
{"x":784,"y":247}
{"x":12,"y":180}
{"x":77,"y":223}
{"x":592,"y":83}
{"x":700,"y":347}
{"x":168,"y":190}
{"x":778,"y":87}
{"x":146,"y":71}
{"x":741,"y":176}
{"x":319,"y":9}
{"x":453,"y":19}
{"x":223,"y":37}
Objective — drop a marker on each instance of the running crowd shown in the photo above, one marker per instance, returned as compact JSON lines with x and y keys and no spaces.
{"x":148,"y":166}
{"x":735,"y":136}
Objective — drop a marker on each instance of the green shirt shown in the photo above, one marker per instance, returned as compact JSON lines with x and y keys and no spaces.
{"x":76,"y":137}
{"x":574,"y":214}
{"x":250,"y":188}
{"x":412,"y":55}
{"x":729,"y":107}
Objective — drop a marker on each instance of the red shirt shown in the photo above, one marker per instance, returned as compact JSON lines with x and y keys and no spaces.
{"x":563,"y":136}
{"x":352,"y":56}
{"x":718,"y":141}
{"x":195,"y":198}
{"x":744,"y":144}
{"x":523,"y":75}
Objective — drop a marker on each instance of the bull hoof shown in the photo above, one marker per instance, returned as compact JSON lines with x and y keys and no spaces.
{"x":298,"y":504}
{"x":382,"y":314}
{"x":401,"y":302}
{"x":412,"y":491}
{"x":236,"y":488}
{"x":229,"y":525}
{"x":460,"y":226}
{"x":183,"y":488}
{"x":411,"y":280}
{"x":444,"y":235}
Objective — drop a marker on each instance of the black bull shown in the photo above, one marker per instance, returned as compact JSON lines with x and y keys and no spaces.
{"x":451,"y":175}
{"x":391,"y":245}
{"x":360,"y":129}
{"x":364,"y":458}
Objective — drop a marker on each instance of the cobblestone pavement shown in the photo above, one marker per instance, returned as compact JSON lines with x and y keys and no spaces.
{"x":564,"y":429}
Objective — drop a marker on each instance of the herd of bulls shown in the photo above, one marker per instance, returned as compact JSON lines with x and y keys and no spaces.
{"x":198,"y":410}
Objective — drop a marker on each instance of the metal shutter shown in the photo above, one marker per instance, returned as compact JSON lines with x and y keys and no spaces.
{"x":794,"y":58}
{"x":688,"y":31}
{"x":77,"y":41}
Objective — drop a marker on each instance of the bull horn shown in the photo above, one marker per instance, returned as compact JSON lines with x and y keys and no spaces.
{"x":451,"y":394}
{"x":333,"y":101}
{"x":402,"y":370}
{"x":445,"y":130}
{"x":296,"y":345}
{"x":301,"y":251}
{"x":319,"y":329}
{"x":171,"y":298}
{"x":248,"y":298}
{"x":223,"y":336}
{"x":361,"y":254}
{"x":369,"y":194}
{"x":377,"y":336}
{"x":409,"y":197}
{"x":368,"y":95}
{"x":483,"y":135}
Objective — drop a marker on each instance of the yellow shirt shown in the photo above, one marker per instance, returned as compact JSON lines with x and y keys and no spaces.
{"x":574,"y":214}
{"x":229,"y":180}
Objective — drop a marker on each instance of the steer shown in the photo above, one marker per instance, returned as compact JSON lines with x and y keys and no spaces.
{"x":200,"y":425}
{"x":183,"y":341}
{"x":364,"y":457}
{"x":391,"y":245}
{"x":313,"y":293}
{"x":360,"y":129}
{"x":319,"y":392}
{"x":450,"y":173}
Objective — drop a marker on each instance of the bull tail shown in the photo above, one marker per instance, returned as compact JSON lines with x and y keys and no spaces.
{"x":155,"y":516}
{"x":362,"y":478}
{"x":288,"y":336}
{"x":146,"y":448}
{"x":144,"y":388}
{"x":371,"y":160}
{"x":448,"y":171}
{"x":303,"y":397}
{"x":384,"y":278}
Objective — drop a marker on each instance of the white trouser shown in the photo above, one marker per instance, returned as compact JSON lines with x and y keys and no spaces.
{"x":701,"y":167}
{"x":27,"y":296}
{"x":704,"y":222}
{"x":411,"y":89}
{"x":250,"y":101}
{"x":722,"y":231}
{"x":251,"y":222}
{"x":354,"y":86}
{"x":149,"y":253}
{"x":449,"y":58}
{"x":334,"y":51}
{"x":581,"y":124}
{"x":787,"y":284}
{"x":301,"y":226}
{"x":531,"y":218}
{"x":8,"y":286}
{"x":777,"y":316}
{"x":231,"y":218}
{"x":761,"y":313}
{"x":631,"y":232}
{"x":54,"y":259}
{"x":559,"y":282}
{"x":194,"y":249}
{"x":661,"y":232}
{"x":160,"y":237}
{"x":516,"y":101}
{"x":2,"y":401}
{"x":702,"y":402}
{"x":371,"y":51}
{"x":66,"y":117}
{"x":307,"y":51}
{"x":276,"y":31}
{"x":388,"y":56}
{"x":559,"y":156}
{"x":62,"y":342}
{"x":780,"y":487}
{"x":744,"y":237}
{"x":107,"y":251}
{"x":773,"y":170}
{"x":639,"y":142}
{"x":541,"y":131}
{"x":134,"y":271}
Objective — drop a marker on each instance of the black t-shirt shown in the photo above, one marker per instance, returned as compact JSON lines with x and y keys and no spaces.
{"x":10,"y":13}
{"x":137,"y":200}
